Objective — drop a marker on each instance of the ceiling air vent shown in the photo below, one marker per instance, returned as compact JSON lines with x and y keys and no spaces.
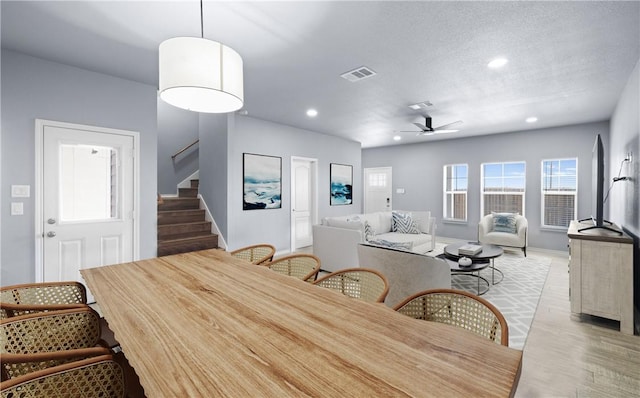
{"x":421,"y":105}
{"x":358,"y":74}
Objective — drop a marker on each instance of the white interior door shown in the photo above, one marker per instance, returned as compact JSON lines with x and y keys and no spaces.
{"x":378,"y":194}
{"x":87,"y":201}
{"x":303,"y":201}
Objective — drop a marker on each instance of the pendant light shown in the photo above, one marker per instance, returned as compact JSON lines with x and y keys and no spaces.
{"x":200,"y":75}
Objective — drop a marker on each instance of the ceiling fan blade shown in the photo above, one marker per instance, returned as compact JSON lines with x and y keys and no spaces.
{"x":443,"y":131}
{"x":443,"y":127}
{"x":422,"y":127}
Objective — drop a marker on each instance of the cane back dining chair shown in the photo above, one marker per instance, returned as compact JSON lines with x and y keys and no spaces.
{"x":36,"y":297}
{"x":458,"y":308}
{"x":361,"y":283}
{"x":255,"y":254}
{"x":300,"y":265}
{"x":48,"y":296}
{"x":40,"y":340}
{"x":97,"y":377}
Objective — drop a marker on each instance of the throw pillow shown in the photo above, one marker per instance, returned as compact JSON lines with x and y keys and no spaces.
{"x":393,"y":245}
{"x":369,"y":231}
{"x":504,"y":222}
{"x":403,"y":223}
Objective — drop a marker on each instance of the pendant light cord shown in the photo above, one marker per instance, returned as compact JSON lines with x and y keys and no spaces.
{"x":201,"y":21}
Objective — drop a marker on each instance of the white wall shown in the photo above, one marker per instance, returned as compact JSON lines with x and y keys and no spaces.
{"x":34,"y":88}
{"x":247,"y":134}
{"x":418,"y":169}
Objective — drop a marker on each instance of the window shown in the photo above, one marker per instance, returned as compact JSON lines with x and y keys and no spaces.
{"x":559,"y":192}
{"x":455,"y":191}
{"x":503,"y":187}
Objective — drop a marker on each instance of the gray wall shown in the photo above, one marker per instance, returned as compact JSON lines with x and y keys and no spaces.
{"x":418,"y":169}
{"x":34,"y":88}
{"x":624,"y":200}
{"x":247,"y":134}
{"x":214,"y":166}
{"x":177,"y":128}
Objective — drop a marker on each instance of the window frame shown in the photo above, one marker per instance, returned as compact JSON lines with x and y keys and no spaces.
{"x":543,"y":192}
{"x":452,"y":192}
{"x":521,"y":193}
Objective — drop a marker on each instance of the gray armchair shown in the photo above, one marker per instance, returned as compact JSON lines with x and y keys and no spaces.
{"x":489,"y":235}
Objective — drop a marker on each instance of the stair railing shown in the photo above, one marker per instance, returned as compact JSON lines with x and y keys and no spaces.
{"x":175,"y":155}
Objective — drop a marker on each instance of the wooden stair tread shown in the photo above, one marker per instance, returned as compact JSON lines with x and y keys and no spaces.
{"x":184,"y":235}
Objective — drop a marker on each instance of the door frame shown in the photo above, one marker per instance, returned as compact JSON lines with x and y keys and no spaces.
{"x":313,"y":195}
{"x":39,"y":186}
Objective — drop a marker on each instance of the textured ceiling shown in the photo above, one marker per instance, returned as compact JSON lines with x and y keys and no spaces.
{"x":568,"y":61}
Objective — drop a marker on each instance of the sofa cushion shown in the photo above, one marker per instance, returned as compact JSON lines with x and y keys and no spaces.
{"x":347,"y":223}
{"x":504,"y":222}
{"x":386,"y":222}
{"x":403,"y":223}
{"x":423,"y":221}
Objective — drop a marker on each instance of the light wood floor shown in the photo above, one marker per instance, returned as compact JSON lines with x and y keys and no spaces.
{"x":568,"y":358}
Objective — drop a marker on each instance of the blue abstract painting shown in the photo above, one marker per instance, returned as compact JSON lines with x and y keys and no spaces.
{"x":341,"y":184}
{"x":262,"y":182}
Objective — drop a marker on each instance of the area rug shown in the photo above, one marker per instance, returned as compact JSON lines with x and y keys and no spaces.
{"x":517,"y":295}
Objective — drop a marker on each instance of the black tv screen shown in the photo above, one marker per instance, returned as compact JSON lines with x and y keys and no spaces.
{"x":597,"y":197}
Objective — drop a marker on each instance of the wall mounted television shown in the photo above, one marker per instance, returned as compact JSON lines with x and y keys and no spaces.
{"x":597,"y":191}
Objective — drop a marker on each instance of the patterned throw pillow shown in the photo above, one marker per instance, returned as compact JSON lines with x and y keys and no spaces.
{"x":504,"y":222}
{"x":403,"y":223}
{"x":393,"y":245}
{"x":369,"y":231}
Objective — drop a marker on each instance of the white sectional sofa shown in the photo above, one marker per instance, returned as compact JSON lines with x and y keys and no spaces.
{"x":407,"y":272}
{"x":336,"y":239}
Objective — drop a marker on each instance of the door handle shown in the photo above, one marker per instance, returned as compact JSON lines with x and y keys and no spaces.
{"x":51,"y":221}
{"x":51,"y":234}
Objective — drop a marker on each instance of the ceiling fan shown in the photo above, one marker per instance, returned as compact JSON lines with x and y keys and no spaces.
{"x":426,"y":128}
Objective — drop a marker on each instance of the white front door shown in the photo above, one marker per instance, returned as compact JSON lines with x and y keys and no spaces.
{"x":378,"y":194}
{"x":303,"y":201}
{"x":87,"y":199}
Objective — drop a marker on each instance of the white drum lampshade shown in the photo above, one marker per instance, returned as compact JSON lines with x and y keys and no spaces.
{"x":200,"y":75}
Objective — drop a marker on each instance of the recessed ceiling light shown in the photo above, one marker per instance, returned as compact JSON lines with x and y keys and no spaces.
{"x":312,"y":112}
{"x":497,"y":63}
{"x":531,"y":119}
{"x":397,"y":138}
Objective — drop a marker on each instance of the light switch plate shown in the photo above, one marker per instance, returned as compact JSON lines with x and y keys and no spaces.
{"x":17,"y":208}
{"x":20,"y":191}
{"x":400,"y":190}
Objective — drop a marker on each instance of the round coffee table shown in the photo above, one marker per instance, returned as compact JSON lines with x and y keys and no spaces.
{"x":472,"y":270}
{"x":486,"y":256}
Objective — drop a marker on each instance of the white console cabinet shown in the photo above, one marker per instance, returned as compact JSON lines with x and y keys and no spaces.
{"x":601,"y":274}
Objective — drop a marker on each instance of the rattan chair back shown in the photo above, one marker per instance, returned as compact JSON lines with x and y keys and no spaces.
{"x":36,"y":297}
{"x":302,"y":266}
{"x":361,"y":283}
{"x":41,"y":340}
{"x":256,"y":254}
{"x":98,"y":377}
{"x":458,"y":308}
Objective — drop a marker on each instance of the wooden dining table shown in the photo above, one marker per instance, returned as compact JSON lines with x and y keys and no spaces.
{"x":205,"y":324}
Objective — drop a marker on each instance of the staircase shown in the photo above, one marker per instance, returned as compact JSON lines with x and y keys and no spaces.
{"x":181,"y":223}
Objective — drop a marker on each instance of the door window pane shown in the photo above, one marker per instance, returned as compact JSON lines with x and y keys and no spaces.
{"x":88,"y":183}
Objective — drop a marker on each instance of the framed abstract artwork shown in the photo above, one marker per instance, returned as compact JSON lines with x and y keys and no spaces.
{"x":341,"y":180}
{"x":262,"y":182}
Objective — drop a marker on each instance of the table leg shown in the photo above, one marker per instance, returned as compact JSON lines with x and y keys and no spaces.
{"x":493,"y":271}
